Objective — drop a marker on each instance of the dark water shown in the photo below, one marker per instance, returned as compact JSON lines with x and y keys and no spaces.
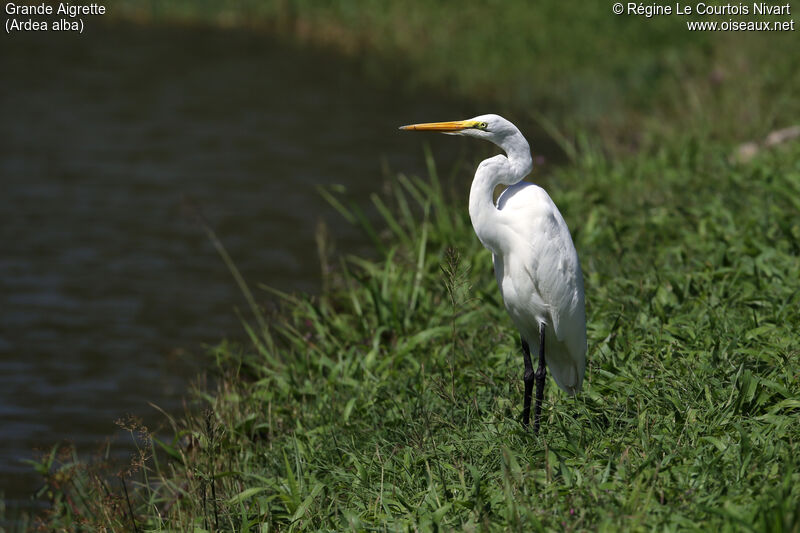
{"x":107,"y":290}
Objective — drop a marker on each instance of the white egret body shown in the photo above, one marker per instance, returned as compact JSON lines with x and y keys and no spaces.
{"x":535,"y":261}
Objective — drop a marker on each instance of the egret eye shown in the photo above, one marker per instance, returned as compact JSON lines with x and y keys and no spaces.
{"x":482,"y":126}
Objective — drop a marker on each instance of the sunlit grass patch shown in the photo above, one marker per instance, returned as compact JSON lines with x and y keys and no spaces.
{"x":392,"y":401}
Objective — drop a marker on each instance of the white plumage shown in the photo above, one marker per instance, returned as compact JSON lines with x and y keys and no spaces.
{"x":535,"y":261}
{"x":540,"y":279}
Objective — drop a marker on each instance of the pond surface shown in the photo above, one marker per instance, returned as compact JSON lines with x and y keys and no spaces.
{"x":108,"y":291}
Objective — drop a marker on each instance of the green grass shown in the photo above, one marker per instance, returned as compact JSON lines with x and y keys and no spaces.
{"x":392,"y":401}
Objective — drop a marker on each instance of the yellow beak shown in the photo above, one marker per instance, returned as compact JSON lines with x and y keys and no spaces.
{"x":455,"y":125}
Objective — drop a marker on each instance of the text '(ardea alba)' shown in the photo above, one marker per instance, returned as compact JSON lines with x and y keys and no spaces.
{"x":535,"y":261}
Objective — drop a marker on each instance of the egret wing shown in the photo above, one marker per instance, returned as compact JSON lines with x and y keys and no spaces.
{"x":551,"y":263}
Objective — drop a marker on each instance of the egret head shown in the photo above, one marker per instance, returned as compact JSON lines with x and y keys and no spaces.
{"x":492,"y":128}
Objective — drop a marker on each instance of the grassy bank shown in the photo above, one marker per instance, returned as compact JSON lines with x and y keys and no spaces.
{"x":392,"y":400}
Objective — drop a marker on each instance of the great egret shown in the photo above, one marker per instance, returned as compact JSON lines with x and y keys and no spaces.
{"x":535,"y":262}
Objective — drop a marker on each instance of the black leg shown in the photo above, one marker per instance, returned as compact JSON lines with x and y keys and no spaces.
{"x":528,"y":379}
{"x":541,"y":372}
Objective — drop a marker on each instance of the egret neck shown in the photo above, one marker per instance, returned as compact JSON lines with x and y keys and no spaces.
{"x":507,"y":169}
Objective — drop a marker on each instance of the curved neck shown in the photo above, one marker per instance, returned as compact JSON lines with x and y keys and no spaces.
{"x":519,"y":157}
{"x":497,"y":170}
